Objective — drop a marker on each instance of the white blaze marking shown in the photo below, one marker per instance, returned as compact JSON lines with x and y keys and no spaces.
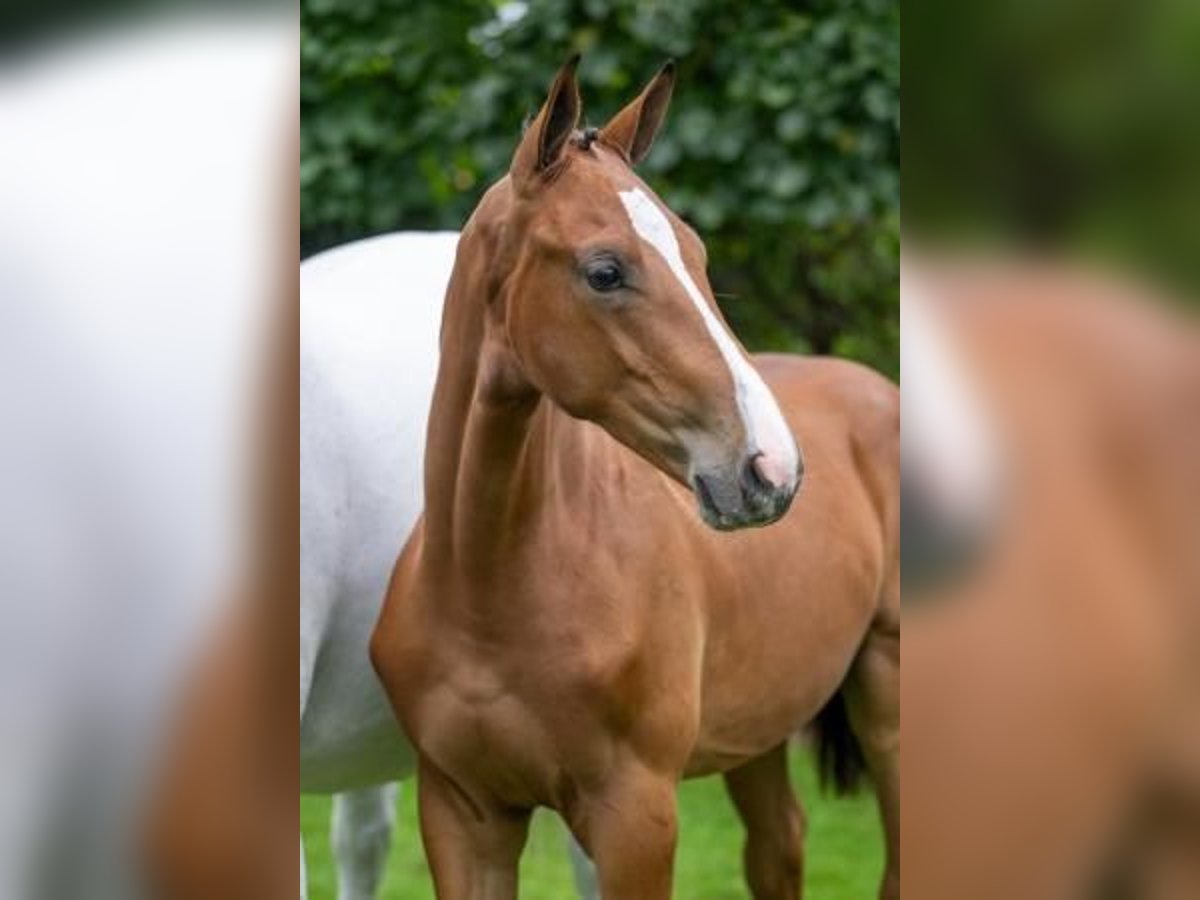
{"x":766,"y":430}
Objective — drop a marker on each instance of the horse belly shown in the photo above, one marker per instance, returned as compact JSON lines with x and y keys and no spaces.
{"x":737,"y":727}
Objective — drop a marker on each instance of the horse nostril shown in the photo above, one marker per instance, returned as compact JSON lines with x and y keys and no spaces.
{"x":704,"y":493}
{"x":752,"y":478}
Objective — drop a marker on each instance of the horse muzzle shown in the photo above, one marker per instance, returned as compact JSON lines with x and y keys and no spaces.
{"x":757,"y":491}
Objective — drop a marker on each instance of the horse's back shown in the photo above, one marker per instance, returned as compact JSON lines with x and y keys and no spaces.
{"x":370,"y":313}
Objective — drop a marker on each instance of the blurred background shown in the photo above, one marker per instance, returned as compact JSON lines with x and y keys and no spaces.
{"x":781,"y":147}
{"x":1051,"y":688}
{"x":1067,"y":129}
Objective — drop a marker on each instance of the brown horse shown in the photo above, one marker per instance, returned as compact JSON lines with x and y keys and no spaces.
{"x":562,"y":629}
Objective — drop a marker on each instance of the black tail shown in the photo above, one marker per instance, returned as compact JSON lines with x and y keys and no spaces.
{"x":840,"y":761}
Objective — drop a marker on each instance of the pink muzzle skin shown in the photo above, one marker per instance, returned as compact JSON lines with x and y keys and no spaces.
{"x":774,"y":471}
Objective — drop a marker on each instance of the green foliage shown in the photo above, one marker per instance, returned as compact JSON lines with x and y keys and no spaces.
{"x":782,"y":146}
{"x":1068,"y":130}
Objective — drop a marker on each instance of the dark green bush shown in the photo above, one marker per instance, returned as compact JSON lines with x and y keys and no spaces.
{"x":782,"y":146}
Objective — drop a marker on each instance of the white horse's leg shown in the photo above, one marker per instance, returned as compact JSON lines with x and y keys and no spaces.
{"x":303,"y":872}
{"x":586,"y":882}
{"x":362,"y":835}
{"x":307,"y":665}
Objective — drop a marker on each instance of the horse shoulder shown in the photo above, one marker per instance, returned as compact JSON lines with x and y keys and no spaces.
{"x":395,"y":648}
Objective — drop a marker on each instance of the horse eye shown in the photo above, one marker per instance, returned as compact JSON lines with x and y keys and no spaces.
{"x":604,"y":275}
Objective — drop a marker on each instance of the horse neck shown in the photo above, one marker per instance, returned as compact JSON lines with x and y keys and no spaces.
{"x":484,"y":422}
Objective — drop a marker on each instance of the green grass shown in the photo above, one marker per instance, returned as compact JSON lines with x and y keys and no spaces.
{"x":843,"y":850}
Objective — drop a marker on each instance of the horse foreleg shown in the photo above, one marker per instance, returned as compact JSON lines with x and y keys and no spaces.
{"x":762,"y":793}
{"x":473,"y":847}
{"x":630,"y":828}
{"x":361,"y":837}
{"x":872,"y":694}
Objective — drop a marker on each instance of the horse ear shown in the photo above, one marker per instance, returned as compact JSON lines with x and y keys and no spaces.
{"x":544,"y":139}
{"x":632,"y":130}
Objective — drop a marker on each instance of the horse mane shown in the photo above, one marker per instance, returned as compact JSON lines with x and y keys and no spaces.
{"x":585,"y":138}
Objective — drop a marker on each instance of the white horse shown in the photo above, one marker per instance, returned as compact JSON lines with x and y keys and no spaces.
{"x":368,"y":353}
{"x":140,"y":237}
{"x":370,"y":315}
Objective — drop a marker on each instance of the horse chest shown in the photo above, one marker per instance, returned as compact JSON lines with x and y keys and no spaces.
{"x":485,"y":732}
{"x":515,"y":701}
